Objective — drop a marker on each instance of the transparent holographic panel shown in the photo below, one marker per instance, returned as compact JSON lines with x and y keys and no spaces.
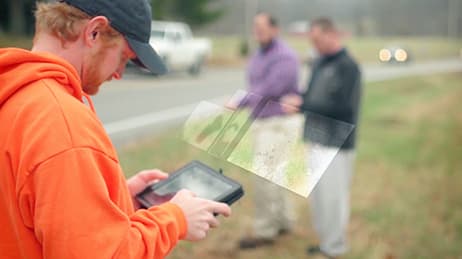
{"x":205,"y":124}
{"x":292,"y":151}
{"x":236,"y":127}
{"x":274,"y":148}
{"x":324,"y":136}
{"x":216,"y":129}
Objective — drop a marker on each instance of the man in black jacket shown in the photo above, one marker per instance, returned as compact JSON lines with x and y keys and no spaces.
{"x":330,"y":104}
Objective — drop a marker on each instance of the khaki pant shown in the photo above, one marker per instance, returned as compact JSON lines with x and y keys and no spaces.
{"x":330,"y":199}
{"x":273,"y":210}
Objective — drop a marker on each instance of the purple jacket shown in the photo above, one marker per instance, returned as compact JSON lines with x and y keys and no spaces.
{"x":272,"y":73}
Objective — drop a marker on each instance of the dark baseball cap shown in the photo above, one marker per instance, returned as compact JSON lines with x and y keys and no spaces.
{"x":132,"y":18}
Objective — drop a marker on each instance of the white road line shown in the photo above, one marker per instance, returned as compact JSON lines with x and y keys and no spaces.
{"x":152,"y":118}
{"x":179,"y":112}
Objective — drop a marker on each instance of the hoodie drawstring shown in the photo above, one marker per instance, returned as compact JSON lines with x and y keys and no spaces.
{"x":90,"y":102}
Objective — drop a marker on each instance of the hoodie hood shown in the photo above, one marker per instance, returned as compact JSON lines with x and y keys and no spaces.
{"x":19,"y":68}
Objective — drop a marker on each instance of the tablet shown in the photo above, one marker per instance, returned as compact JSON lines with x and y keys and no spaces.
{"x":197,"y":177}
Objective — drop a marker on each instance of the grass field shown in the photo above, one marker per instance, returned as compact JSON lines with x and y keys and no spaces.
{"x":226,"y":49}
{"x":15,"y":41}
{"x":406,"y":194}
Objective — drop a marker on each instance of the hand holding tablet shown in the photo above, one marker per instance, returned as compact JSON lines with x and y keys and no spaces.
{"x":197,"y":177}
{"x":199,"y":213}
{"x":200,"y":191}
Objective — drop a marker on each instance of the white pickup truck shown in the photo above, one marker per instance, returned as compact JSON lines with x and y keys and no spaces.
{"x":174,"y":42}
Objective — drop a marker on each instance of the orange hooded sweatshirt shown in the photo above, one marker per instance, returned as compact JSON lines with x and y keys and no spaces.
{"x":62,"y":191}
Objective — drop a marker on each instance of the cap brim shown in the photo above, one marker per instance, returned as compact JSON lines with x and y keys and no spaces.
{"x":147,"y":57}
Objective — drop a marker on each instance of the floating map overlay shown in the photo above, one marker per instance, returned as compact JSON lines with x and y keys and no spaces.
{"x":272,"y":148}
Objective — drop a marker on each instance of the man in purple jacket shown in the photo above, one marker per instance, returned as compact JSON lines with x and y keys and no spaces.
{"x":272,"y":73}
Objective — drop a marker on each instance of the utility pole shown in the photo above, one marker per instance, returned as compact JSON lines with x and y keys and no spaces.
{"x":17,"y":19}
{"x":457,"y":18}
{"x":454,"y":7}
{"x":251,"y":9}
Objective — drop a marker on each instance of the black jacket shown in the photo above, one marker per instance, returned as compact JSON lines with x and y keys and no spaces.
{"x":331,"y":101}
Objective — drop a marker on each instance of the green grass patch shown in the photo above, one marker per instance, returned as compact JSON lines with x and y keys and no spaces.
{"x":406,"y":195}
{"x":7,"y":41}
{"x":365,"y":49}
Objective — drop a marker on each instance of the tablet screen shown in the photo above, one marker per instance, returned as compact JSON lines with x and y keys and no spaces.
{"x":194,"y":179}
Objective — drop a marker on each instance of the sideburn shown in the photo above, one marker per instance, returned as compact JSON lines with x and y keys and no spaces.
{"x":93,"y":75}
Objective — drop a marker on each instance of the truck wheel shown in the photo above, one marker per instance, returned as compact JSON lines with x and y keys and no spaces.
{"x":196,"y":68}
{"x":165,"y":59}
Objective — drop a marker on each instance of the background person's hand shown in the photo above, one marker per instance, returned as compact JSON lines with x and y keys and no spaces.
{"x":141,"y":180}
{"x":199,"y":213}
{"x":232,"y":105}
{"x":291,"y":103}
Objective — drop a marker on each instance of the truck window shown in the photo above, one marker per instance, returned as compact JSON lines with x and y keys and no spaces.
{"x":177,"y":36}
{"x":157,"y":34}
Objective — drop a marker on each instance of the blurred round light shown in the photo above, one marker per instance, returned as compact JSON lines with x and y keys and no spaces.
{"x":385,"y":55}
{"x":400,"y":55}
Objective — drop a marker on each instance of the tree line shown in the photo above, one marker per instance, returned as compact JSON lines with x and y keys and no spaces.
{"x":16,"y":16}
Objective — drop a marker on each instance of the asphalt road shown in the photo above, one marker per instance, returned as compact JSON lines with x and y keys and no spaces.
{"x":140,"y":105}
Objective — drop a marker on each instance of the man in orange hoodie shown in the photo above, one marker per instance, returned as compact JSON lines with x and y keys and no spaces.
{"x":62,"y":191}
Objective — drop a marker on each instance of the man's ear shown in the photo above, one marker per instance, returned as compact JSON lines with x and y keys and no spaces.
{"x":92,"y":30}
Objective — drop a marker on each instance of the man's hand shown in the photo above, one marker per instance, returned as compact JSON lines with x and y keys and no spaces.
{"x":291,"y":103}
{"x":232,"y":105}
{"x":141,"y":180}
{"x":199,"y":213}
